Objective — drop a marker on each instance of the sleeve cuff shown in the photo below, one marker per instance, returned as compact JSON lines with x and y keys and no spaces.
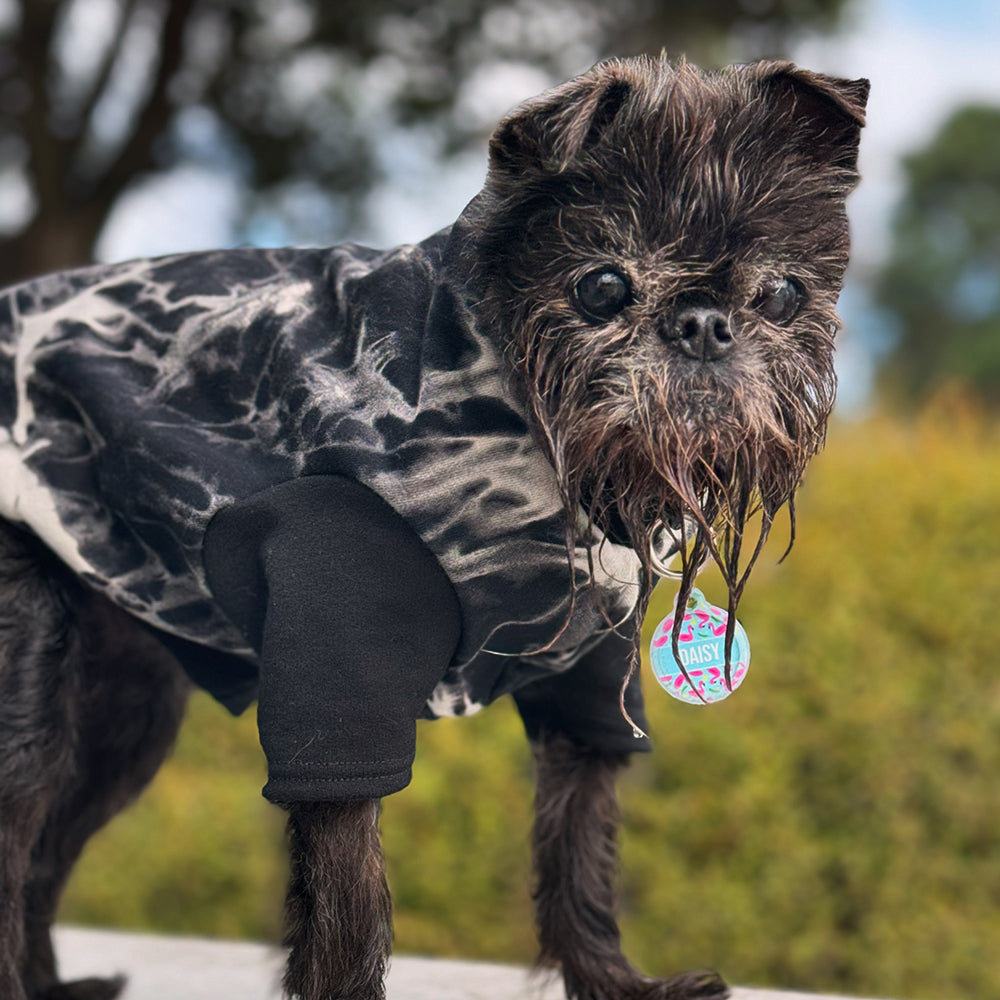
{"x":288,"y":786}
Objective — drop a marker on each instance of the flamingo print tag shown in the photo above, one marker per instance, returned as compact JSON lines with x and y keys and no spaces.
{"x":702,"y":648}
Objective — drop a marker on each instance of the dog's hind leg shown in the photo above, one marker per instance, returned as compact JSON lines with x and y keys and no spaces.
{"x":130,"y":696}
{"x":40,"y":645}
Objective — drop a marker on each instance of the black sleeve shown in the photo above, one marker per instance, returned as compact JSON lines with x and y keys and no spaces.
{"x":582,"y":702}
{"x":355,"y":622}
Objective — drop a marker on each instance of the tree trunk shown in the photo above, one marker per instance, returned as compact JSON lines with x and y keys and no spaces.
{"x":54,"y":240}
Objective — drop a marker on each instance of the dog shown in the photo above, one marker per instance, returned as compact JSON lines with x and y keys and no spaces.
{"x":366,"y":487}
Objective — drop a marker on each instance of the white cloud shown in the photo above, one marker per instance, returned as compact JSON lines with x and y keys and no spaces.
{"x":424,"y":199}
{"x":8,"y":14}
{"x":493,"y":89}
{"x":189,"y":208}
{"x":17,"y":200}
{"x":923,"y":62}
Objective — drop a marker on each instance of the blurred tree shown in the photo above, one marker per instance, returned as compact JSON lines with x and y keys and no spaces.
{"x":942,"y":281}
{"x":295,"y":97}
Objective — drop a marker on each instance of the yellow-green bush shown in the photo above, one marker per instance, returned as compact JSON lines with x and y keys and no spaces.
{"x":832,"y":826}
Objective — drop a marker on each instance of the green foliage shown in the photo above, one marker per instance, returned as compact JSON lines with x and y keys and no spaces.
{"x":942,"y":281}
{"x":200,"y":852}
{"x":831,"y":827}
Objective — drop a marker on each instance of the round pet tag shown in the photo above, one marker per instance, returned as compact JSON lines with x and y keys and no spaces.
{"x":702,"y":647}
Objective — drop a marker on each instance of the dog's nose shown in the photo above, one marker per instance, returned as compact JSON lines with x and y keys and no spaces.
{"x":703,"y":333}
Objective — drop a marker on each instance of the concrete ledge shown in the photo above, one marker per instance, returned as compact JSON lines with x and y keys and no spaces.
{"x":177,"y":968}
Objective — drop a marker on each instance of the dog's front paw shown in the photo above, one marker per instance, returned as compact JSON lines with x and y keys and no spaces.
{"x":83,"y":989}
{"x":686,"y":986}
{"x":627,"y":984}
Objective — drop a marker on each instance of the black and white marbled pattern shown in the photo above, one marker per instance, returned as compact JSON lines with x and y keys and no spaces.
{"x":137,"y":399}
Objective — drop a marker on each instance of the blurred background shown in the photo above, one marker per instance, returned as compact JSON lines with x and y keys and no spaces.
{"x":832,"y":827}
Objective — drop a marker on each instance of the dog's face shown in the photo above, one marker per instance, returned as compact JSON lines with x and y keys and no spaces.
{"x":663,"y":250}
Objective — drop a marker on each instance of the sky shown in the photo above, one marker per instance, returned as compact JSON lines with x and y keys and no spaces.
{"x":923,"y":57}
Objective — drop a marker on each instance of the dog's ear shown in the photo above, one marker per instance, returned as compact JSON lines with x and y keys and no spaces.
{"x":827,"y":112}
{"x":548,"y":132}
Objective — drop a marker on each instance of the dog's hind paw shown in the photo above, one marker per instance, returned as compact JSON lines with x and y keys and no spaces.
{"x":83,"y":989}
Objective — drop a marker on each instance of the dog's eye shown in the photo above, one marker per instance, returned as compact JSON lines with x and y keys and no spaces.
{"x":780,"y":302}
{"x":602,"y":294}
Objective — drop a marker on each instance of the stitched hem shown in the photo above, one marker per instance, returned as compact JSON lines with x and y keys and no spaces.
{"x":298,"y":788}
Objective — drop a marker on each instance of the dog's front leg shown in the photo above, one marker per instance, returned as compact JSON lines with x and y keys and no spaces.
{"x":575,"y":858}
{"x":339,"y":913}
{"x":356,"y":623}
{"x":576,"y":866}
{"x":581,"y":743}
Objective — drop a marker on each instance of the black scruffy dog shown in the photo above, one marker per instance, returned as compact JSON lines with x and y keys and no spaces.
{"x":365,"y":487}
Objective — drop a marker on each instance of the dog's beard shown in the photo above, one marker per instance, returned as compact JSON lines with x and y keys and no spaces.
{"x":649,"y":453}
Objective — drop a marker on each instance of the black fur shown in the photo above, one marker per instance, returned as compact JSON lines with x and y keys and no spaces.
{"x":338,"y":908}
{"x":90,"y":705}
{"x":576,"y":863}
{"x":702,"y":190}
